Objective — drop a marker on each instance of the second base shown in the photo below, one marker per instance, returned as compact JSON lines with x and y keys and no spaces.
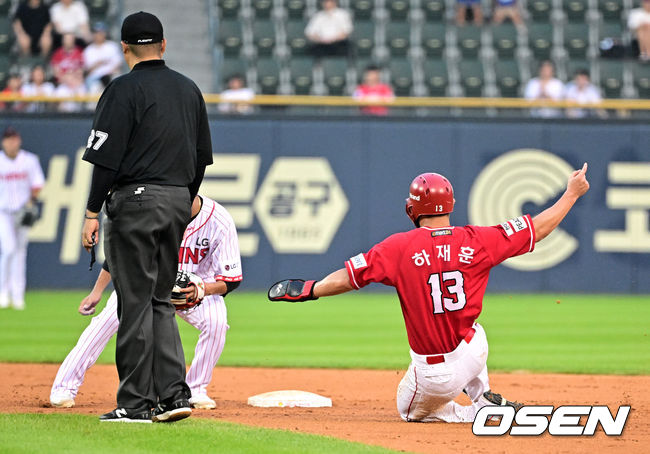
{"x":289,"y":398}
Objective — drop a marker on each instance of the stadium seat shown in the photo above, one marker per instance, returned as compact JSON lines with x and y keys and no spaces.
{"x":229,"y":8}
{"x":97,"y":9}
{"x":361,"y":64}
{"x":508,"y":78}
{"x":436,"y":77}
{"x":610,"y":30}
{"x":434,"y":10}
{"x":6,"y":35}
{"x":573,"y":65}
{"x":230,"y":67}
{"x":29,"y":61}
{"x":398,"y":9}
{"x":540,"y":10}
{"x":268,"y":75}
{"x":362,"y":9}
{"x":611,"y":78}
{"x":469,"y":41}
{"x":296,"y":8}
{"x":540,"y":40}
{"x":5,"y":6}
{"x":504,"y":39}
{"x":642,"y":80}
{"x":264,"y":36}
{"x":301,"y":75}
{"x":401,"y":76}
{"x":471,"y":77}
{"x":364,"y":37}
{"x":611,"y":10}
{"x":262,"y":8}
{"x":230,"y":36}
{"x":576,"y":39}
{"x":434,"y":37}
{"x":575,"y":10}
{"x":398,"y":37}
{"x":5,"y":65}
{"x":296,"y":39}
{"x":334,"y":75}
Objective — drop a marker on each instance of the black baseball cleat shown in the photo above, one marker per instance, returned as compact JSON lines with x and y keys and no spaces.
{"x":171,"y":411}
{"x":497,"y":399}
{"x":142,"y":415}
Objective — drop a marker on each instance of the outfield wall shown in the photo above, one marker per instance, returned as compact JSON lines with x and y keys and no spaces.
{"x":309,"y":193}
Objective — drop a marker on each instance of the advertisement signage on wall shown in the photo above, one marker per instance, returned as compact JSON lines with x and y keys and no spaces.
{"x":307,"y":195}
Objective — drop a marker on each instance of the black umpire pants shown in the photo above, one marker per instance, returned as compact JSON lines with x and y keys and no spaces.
{"x":143,"y":231}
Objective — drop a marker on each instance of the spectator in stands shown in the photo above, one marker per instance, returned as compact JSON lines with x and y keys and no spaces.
{"x":507,"y":9}
{"x":14,"y":84}
{"x":38,"y":86}
{"x":639,"y":23}
{"x":68,"y":57}
{"x":373,"y":89}
{"x":462,"y":7}
{"x":102,"y":60}
{"x":33,"y":28}
{"x":329,"y":30}
{"x":545,"y":87}
{"x":72,"y":84}
{"x":582,"y":91}
{"x":70,"y":16}
{"x":236,"y":94}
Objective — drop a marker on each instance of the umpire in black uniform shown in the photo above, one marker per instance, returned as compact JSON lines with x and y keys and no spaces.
{"x":150,"y":145}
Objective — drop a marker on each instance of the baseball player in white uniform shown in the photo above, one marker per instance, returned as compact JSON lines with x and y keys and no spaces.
{"x":21,"y":180}
{"x":210,"y":250}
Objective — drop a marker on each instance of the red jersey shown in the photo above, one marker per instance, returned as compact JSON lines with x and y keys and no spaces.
{"x":67,"y":61}
{"x":440,"y":276}
{"x":380,"y":92}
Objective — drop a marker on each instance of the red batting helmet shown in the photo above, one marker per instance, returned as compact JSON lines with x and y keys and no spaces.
{"x":430,"y":194}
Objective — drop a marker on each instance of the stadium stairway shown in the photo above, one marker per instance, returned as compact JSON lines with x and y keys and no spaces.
{"x":186,"y":25}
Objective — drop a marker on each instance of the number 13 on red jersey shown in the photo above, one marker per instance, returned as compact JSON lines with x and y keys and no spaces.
{"x":453,"y":283}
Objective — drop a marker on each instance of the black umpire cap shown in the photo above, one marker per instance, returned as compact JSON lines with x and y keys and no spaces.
{"x":142,"y":28}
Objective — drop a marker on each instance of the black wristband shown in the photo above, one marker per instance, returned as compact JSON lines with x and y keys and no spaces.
{"x":88,"y":217}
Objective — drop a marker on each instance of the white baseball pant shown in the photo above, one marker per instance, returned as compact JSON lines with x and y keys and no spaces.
{"x":209,"y":318}
{"x":13,"y":258}
{"x":426,"y":392}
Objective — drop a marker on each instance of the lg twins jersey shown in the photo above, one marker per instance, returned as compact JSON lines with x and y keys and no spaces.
{"x":209,"y":247}
{"x":440,"y":276}
{"x":18,"y":177}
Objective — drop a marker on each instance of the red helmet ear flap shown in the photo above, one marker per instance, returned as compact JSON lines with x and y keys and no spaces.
{"x":409,"y":212}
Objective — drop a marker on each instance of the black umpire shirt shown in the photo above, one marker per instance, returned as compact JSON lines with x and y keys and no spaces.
{"x":151,"y":126}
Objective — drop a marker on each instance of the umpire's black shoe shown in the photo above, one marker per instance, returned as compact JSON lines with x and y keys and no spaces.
{"x":497,"y":399}
{"x":127,"y":415}
{"x":172,"y":410}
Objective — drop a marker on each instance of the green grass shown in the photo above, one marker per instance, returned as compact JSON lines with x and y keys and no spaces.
{"x":76,"y":433}
{"x":582,"y":334}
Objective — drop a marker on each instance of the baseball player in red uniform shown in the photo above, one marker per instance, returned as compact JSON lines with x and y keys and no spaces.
{"x":440,"y":273}
{"x":210,"y":250}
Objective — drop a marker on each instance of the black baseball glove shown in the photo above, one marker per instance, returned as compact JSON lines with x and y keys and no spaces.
{"x":185,"y":279}
{"x":28,"y":215}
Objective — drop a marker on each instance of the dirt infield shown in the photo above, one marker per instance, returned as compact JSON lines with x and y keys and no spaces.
{"x":364,"y":406}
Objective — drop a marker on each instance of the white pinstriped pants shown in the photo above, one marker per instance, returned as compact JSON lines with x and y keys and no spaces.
{"x":13,"y":257}
{"x":426,"y":392}
{"x":210,"y":318}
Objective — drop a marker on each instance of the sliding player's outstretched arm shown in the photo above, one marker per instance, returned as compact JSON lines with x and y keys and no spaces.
{"x":549,"y":219}
{"x":295,"y":290}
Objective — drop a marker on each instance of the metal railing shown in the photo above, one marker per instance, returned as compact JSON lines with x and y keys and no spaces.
{"x":402,"y":102}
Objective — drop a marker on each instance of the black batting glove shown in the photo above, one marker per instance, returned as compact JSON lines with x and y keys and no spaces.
{"x":292,"y":290}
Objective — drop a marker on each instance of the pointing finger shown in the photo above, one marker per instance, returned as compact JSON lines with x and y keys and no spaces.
{"x":584,"y":168}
